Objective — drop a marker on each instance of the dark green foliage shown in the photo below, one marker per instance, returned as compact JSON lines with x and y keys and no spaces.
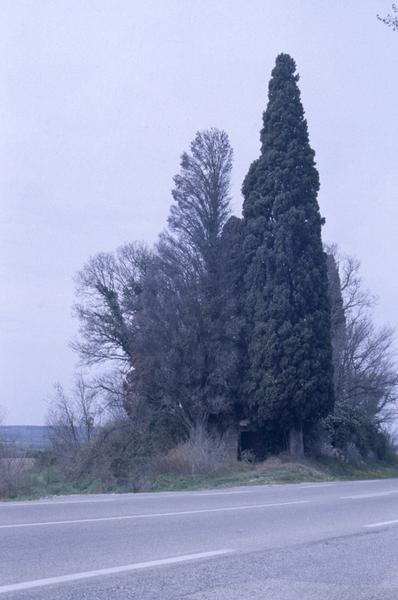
{"x":232,"y":314}
{"x":338,"y":321}
{"x":185,"y":361}
{"x":290,"y":375}
{"x":234,"y":321}
{"x":233,"y":264}
{"x":201,"y":201}
{"x":355,"y":432}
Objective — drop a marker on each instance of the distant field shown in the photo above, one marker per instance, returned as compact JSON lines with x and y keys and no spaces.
{"x":30,"y":436}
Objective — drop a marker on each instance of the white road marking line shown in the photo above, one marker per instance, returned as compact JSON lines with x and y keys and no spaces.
{"x":372,"y":495}
{"x":364,"y":481}
{"x":121,"y":497}
{"x":200,"y":494}
{"x":142,"y":496}
{"x":382,"y":523}
{"x":27,"y":585}
{"x":155,"y":515}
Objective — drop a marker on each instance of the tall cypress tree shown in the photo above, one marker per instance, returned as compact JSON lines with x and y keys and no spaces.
{"x":185,"y":353}
{"x":290,"y":377}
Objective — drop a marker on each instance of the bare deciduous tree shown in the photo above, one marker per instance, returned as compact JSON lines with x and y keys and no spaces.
{"x":366,"y":374}
{"x":391,"y":19}
{"x":73,"y":419}
{"x":109,"y":288}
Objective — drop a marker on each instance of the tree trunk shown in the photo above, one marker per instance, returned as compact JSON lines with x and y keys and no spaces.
{"x":296,"y":443}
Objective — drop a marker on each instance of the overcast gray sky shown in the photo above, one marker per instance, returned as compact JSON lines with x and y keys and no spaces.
{"x":99,"y":99}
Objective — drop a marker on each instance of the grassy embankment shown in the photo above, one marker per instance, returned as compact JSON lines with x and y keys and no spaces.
{"x":277,"y":470}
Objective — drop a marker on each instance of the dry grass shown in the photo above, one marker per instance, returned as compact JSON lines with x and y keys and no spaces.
{"x":12,"y":471}
{"x":202,"y":453}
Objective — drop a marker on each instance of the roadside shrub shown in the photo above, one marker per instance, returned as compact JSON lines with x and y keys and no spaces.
{"x":202,"y":453}
{"x":357,"y":436}
{"x":12,"y":472}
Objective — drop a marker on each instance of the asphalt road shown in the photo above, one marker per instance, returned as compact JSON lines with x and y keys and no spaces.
{"x":308,"y":541}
